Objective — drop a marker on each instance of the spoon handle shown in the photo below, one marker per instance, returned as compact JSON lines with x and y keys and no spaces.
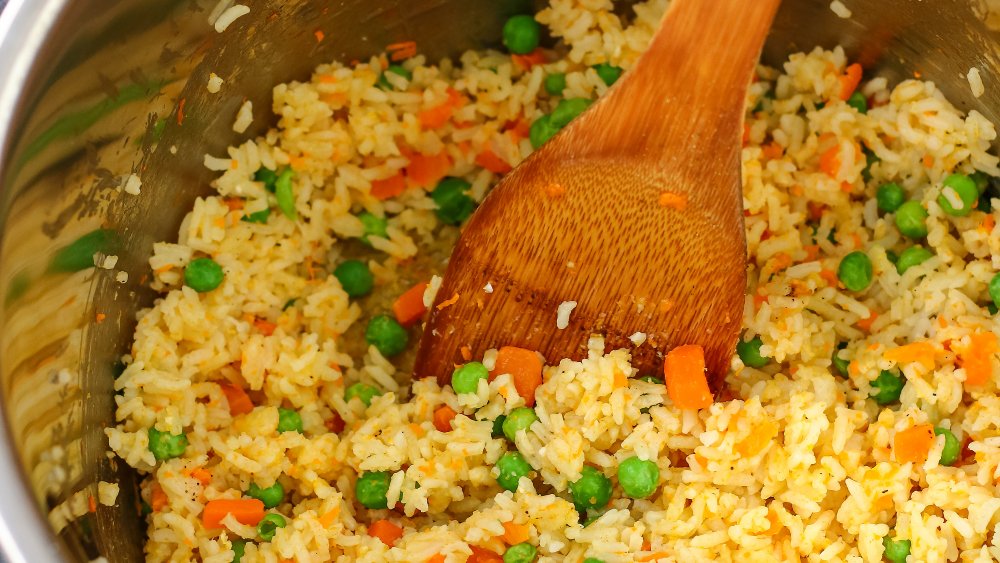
{"x":701,"y":59}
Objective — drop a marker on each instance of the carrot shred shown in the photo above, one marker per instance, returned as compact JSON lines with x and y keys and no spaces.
{"x":402,"y":50}
{"x":849,"y":81}
{"x":386,"y":531}
{"x":265,"y":326}
{"x":816,"y":210}
{"x":436,"y":558}
{"x":388,"y":187}
{"x":157,"y":498}
{"x":529,"y":60}
{"x":920,"y":352}
{"x":203,"y":475}
{"x":443,"y":416}
{"x":233,"y":203}
{"x":514,"y":534}
{"x":180,"y":111}
{"x":492,"y":162}
{"x":866,"y":323}
{"x":329,"y":517}
{"x":466,"y":353}
{"x":927,"y":161}
{"x":829,"y":161}
{"x":239,"y":401}
{"x":975,"y":358}
{"x":409,"y":307}
{"x":652,"y":556}
{"x":437,"y":116}
{"x":91,"y":504}
{"x":913,"y":443}
{"x":319,"y":35}
{"x":987,"y":225}
{"x":620,"y":379}
{"x":772,"y":150}
{"x":448,"y":302}
{"x":524,"y":367}
{"x":684,"y":371}
{"x":759,"y":438}
{"x":830,"y":276}
{"x":247,"y":511}
{"x":482,"y":555}
{"x":520,"y":129}
{"x":425,"y":171}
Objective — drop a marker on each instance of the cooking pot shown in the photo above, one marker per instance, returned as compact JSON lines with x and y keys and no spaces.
{"x":94,"y":91}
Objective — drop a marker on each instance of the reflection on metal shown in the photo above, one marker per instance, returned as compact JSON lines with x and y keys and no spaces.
{"x":90,"y":94}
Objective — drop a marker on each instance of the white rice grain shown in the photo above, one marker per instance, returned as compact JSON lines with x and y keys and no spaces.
{"x":227,"y":17}
{"x":244,"y":117}
{"x":840,"y":9}
{"x":132,"y":184}
{"x":563,"y":313}
{"x":975,"y":82}
{"x":214,"y":83}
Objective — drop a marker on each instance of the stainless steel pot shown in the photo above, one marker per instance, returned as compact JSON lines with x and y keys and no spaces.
{"x":94,"y":90}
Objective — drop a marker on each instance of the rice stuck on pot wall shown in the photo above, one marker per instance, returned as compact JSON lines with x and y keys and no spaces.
{"x":264,"y":402}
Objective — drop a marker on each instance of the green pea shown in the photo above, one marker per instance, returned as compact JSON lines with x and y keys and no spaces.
{"x":858,"y":102}
{"x":365,"y":393}
{"x":267,"y":177}
{"x":609,"y":73}
{"x":258,"y":216}
{"x":891,"y":256}
{"x":749,"y":353}
{"x":165,"y":445}
{"x":512,"y":466}
{"x":387,"y":335}
{"x":519,"y":419}
{"x":911,"y":219}
{"x":592,"y":516}
{"x":203,"y":274}
{"x":638,"y":478}
{"x":981,"y":179}
{"x":520,"y":553}
{"x":994,"y":290}
{"x":592,"y":490}
{"x":371,"y":488}
{"x":870,"y":159}
{"x":651,"y":379}
{"x":911,"y":257}
{"x":268,"y":526}
{"x":79,"y":254}
{"x":541,"y":131}
{"x":889,"y":197}
{"x":839,"y":363}
{"x":567,"y":111}
{"x":466,"y":378}
{"x":992,"y":308}
{"x":453,"y":204}
{"x":887,"y":387}
{"x":373,"y":225}
{"x":498,"y":426}
{"x":555,"y":83}
{"x":967,"y":192}
{"x":289,"y":420}
{"x":384,"y":83}
{"x":355,"y":278}
{"x":896,"y":551}
{"x":144,"y":508}
{"x":855,"y":271}
{"x":593,"y":560}
{"x":521,"y":34}
{"x":239,"y":547}
{"x":271,"y":496}
{"x":951,"y":449}
{"x":288,"y":304}
{"x":284,"y":194}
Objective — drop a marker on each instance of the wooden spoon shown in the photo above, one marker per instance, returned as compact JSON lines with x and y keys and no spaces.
{"x":633,"y":211}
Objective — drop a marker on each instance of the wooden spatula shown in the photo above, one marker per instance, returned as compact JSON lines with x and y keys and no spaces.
{"x":633,"y":211}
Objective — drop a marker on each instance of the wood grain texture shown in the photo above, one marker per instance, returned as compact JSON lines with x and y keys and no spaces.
{"x":634,"y":211}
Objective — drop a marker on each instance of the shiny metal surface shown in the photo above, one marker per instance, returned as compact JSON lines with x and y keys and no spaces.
{"x":83,"y":84}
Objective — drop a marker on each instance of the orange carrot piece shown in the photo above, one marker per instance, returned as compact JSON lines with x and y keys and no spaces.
{"x":388,"y":187}
{"x":265,"y":326}
{"x":772,"y":150}
{"x":533,"y":58}
{"x":758,"y":439}
{"x":921,"y":352}
{"x":849,"y":81}
{"x":492,"y":162}
{"x":482,"y":555}
{"x":976,"y":358}
{"x":684,"y":371}
{"x":829,"y":161}
{"x":746,"y":134}
{"x":437,"y":116}
{"x":913,"y":443}
{"x":386,"y":531}
{"x":239,"y":401}
{"x":436,"y":558}
{"x":247,"y":511}
{"x":203,"y":475}
{"x":443,"y":416}
{"x":514,"y":534}
{"x":91,"y":504}
{"x":866,"y":323}
{"x":426,"y":171}
{"x":157,"y":498}
{"x":409,"y":307}
{"x":524,"y":367}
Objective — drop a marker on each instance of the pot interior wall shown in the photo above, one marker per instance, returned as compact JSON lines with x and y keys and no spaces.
{"x":124,"y":93}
